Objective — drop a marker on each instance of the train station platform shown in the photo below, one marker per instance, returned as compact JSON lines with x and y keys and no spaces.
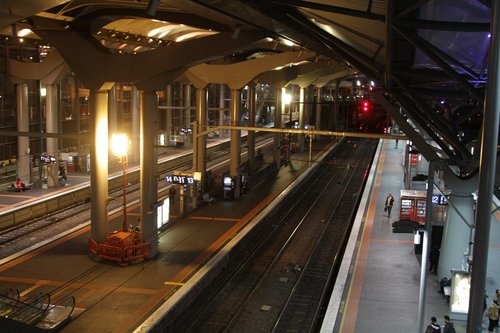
{"x":379,"y":287}
{"x":379,"y":294}
{"x":112,"y":298}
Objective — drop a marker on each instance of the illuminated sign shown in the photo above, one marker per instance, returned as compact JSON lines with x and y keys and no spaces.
{"x":183,"y":180}
{"x":438,"y":199}
{"x":48,"y":159}
{"x":435,"y":199}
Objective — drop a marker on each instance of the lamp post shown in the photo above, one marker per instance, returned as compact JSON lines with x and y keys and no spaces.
{"x":119,"y":145}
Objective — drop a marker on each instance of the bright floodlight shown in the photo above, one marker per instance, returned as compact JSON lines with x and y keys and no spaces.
{"x":287,"y":98}
{"x":119,"y":144}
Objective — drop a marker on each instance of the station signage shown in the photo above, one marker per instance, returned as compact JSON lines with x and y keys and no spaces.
{"x":438,"y":199}
{"x":182,"y":180}
{"x":183,"y":177}
{"x":48,"y":159}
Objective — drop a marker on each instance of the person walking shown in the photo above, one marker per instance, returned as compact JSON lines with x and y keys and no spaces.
{"x":492,"y":314}
{"x":433,"y":327}
{"x":389,"y":202}
{"x":448,"y":325}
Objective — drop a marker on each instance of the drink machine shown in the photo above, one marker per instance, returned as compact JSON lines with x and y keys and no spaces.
{"x":413,"y":204}
{"x":228,"y":187}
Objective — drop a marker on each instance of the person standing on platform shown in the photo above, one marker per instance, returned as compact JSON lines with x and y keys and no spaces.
{"x":433,"y":327}
{"x":434,"y":259}
{"x":171,"y":195}
{"x":492,"y":314}
{"x":448,"y":325}
{"x":497,"y":296}
{"x":389,"y":202}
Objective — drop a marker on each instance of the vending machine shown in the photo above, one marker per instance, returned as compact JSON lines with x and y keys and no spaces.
{"x":413,"y":206}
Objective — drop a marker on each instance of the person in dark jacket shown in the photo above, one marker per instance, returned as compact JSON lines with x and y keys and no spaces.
{"x":448,"y":325}
{"x":434,"y":259}
{"x":433,"y":327}
{"x":389,"y":202}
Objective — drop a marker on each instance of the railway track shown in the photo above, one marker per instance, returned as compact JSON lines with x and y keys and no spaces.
{"x":21,"y":236}
{"x":280,"y":279}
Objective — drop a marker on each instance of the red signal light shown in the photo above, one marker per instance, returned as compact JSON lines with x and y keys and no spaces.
{"x":366,"y":106}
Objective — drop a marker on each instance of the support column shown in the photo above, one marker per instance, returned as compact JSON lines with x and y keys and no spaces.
{"x":457,"y":233}
{"x":112,"y":110}
{"x":425,"y":248}
{"x":307,"y":105}
{"x":222,"y":107}
{"x":333,"y":120}
{"x":51,"y":125}
{"x":201,"y":119}
{"x":136,"y":128}
{"x":318,"y":108}
{"x":98,"y":104}
{"x":23,"y":142}
{"x":234,"y":166}
{"x":301,"y":117}
{"x":251,"y":98}
{"x":277,"y":124}
{"x":149,"y":165}
{"x":168,"y":113}
{"x":187,"y":102}
{"x":489,"y":138}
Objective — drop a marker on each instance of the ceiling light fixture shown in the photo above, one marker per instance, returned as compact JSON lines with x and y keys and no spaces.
{"x":23,"y":32}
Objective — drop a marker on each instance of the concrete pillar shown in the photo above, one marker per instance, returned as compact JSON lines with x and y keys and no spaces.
{"x":457,"y":234}
{"x":308,"y":105}
{"x":286,"y":113}
{"x":487,"y":175}
{"x":168,"y":113}
{"x":112,"y":110}
{"x":52,"y":127}
{"x":333,"y":120}
{"x":318,"y":108}
{"x":420,"y":168}
{"x":277,"y":124}
{"x":251,"y":98}
{"x":235,"y":140}
{"x":149,"y":166}
{"x":181,"y":116}
{"x":201,"y":119}
{"x":136,"y":127}
{"x":98,"y":104}
{"x":422,"y":165}
{"x":301,"y":117}
{"x":187,"y":103}
{"x":222,"y":107}
{"x":23,"y":142}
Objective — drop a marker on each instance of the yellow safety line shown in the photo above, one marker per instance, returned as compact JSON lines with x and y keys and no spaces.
{"x":213,"y":218}
{"x":30,"y":289}
{"x":351,"y":307}
{"x":170,"y":283}
{"x":17,"y":196}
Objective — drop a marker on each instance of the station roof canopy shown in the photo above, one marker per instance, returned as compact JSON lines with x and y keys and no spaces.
{"x":430,"y":57}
